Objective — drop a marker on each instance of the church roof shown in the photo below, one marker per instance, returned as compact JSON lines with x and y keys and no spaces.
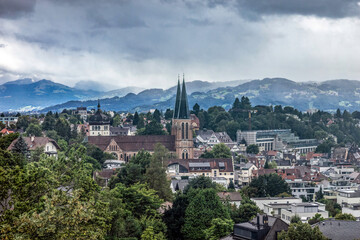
{"x":99,"y":118}
{"x":181,"y":103}
{"x":177,"y":101}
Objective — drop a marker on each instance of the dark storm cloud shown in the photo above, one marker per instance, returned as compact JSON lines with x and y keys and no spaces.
{"x":13,"y":9}
{"x":319,"y":8}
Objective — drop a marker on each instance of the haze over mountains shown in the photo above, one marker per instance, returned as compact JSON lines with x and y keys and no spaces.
{"x":45,"y":95}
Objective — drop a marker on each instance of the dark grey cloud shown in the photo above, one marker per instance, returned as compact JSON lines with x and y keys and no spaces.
{"x":13,"y":9}
{"x":319,"y":8}
{"x":139,"y":42}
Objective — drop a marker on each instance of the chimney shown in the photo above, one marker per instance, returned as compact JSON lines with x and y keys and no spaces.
{"x":32,"y":138}
{"x":265,"y":220}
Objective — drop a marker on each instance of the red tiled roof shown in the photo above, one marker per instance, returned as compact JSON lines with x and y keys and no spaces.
{"x":5,"y":131}
{"x":271,"y":153}
{"x":134,"y":143}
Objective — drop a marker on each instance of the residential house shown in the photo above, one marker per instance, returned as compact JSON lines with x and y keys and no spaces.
{"x":304,"y":210}
{"x":245,"y":173}
{"x":50,"y":146}
{"x":209,"y":167}
{"x":102,"y":177}
{"x":5,"y":131}
{"x":262,"y":227}
{"x":178,"y":184}
{"x":231,"y":197}
{"x":262,"y":201}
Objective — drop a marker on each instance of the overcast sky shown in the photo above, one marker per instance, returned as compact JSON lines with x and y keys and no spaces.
{"x":147,"y":43}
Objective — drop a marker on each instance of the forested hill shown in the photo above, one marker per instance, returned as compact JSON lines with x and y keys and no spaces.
{"x":327,"y":96}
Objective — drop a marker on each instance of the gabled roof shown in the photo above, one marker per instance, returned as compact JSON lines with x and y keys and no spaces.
{"x":37,"y":142}
{"x":231,"y":196}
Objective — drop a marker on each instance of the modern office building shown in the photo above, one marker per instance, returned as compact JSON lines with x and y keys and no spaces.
{"x":277,"y":139}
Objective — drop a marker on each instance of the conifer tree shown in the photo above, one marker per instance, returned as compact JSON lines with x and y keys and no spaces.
{"x":21,"y":147}
{"x":156,"y":173}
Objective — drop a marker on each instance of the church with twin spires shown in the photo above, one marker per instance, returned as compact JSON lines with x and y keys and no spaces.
{"x":180,"y":143}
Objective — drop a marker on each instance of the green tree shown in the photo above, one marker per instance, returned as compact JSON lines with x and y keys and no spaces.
{"x":301,"y":231}
{"x":200,"y":182}
{"x":246,"y":211}
{"x":221,"y":151}
{"x":204,"y":206}
{"x":6,"y":140}
{"x":64,"y":217}
{"x":196,"y":109}
{"x":156,"y":172}
{"x":345,"y":216}
{"x":21,"y":147}
{"x":62,"y":128}
{"x":49,"y":122}
{"x":315,"y":219}
{"x":253,"y":149}
{"x":134,"y":171}
{"x":53,"y":135}
{"x":23,"y":122}
{"x":269,"y":185}
{"x":295,"y":219}
{"x":116,"y":121}
{"x":149,"y":234}
{"x":168,"y":114}
{"x":231,"y":185}
{"x":157,"y":116}
{"x":36,"y":154}
{"x":175,"y":216}
{"x":34,"y":130}
{"x":153,"y":128}
{"x":136,"y":119}
{"x":219,"y":228}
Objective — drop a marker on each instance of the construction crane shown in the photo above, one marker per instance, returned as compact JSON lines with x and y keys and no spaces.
{"x":250,"y":112}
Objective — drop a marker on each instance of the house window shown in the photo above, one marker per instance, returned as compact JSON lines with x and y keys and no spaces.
{"x":187,"y":131}
{"x":187,"y":156}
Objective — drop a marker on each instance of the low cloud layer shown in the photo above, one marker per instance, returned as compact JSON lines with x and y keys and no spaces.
{"x":147,"y":43}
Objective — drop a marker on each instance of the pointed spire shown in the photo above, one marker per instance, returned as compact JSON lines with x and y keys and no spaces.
{"x":184,"y":105}
{"x":177,"y":101}
{"x":98,"y":104}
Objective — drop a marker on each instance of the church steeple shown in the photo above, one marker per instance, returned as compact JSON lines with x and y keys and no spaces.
{"x":98,"y":106}
{"x":177,"y":101}
{"x":184,"y":106}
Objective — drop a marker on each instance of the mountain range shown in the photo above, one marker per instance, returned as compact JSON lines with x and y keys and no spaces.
{"x":327,"y":96}
{"x":30,"y":95}
{"x":45,"y":95}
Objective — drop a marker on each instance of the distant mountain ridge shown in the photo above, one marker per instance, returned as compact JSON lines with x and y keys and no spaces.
{"x":27,"y":94}
{"x":327,"y":95}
